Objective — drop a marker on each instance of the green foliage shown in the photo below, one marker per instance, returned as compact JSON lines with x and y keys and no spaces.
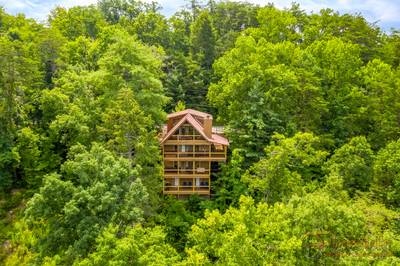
{"x":390,"y":50}
{"x":381,"y":84}
{"x":186,"y":81}
{"x":203,"y":40}
{"x":116,"y":10}
{"x":387,"y":174}
{"x":83,"y":97}
{"x":11,"y":206}
{"x":70,"y":128}
{"x":270,"y":20}
{"x":27,"y":146}
{"x":77,"y":21}
{"x":275,"y":90}
{"x":312,"y":229}
{"x":124,"y":123}
{"x":153,"y":29}
{"x":179,"y":24}
{"x":93,"y":189}
{"x":228,"y":185}
{"x":128,"y":63}
{"x":269,"y":83}
{"x":177,"y":217}
{"x":180,"y":106}
{"x":50,"y":43}
{"x":19,"y":81}
{"x":352,"y":28}
{"x":137,"y":246}
{"x":336,"y":64}
{"x":19,"y":251}
{"x":353,"y":163}
{"x":129,"y":134}
{"x":290,"y":163}
{"x":78,"y":52}
{"x":52,"y":103}
{"x":229,"y":19}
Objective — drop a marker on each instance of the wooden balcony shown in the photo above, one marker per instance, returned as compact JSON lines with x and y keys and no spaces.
{"x":186,"y":190}
{"x":195,"y":155}
{"x":190,"y":142}
{"x":184,"y":171}
{"x":186,"y":186}
{"x":186,"y":137}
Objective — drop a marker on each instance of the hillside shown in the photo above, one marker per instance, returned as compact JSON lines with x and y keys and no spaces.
{"x":310,"y":104}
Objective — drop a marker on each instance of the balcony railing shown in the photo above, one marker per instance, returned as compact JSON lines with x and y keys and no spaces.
{"x":190,"y":171}
{"x":194,"y":154}
{"x":186,"y":137}
{"x":178,"y":189}
{"x":187,"y":185}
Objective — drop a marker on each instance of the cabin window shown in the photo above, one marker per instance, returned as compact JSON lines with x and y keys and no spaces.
{"x":204,"y":182}
{"x":186,"y":182}
{"x":202,"y":148}
{"x":185,"y":148}
{"x":188,"y":165}
{"x":186,"y":129}
{"x":201,"y":182}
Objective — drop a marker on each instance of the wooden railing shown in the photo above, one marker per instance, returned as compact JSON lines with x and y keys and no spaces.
{"x":194,"y":154}
{"x":187,"y":185}
{"x":186,"y":137}
{"x":186,"y":188}
{"x":199,"y":170}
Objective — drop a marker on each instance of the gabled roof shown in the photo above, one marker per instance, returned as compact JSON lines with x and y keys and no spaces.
{"x":216,"y":139}
{"x":191,"y":112}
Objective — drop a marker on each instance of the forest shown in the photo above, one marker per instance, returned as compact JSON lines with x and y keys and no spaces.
{"x":310,"y":103}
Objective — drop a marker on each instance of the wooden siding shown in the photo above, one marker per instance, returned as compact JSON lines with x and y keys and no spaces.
{"x":187,"y":157}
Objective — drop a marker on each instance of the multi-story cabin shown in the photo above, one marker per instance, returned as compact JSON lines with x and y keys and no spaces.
{"x":190,"y":144}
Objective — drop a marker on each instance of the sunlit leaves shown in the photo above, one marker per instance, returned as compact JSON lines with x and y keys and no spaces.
{"x":387,"y":174}
{"x":353,"y":162}
{"x":289,"y":164}
{"x":93,"y":189}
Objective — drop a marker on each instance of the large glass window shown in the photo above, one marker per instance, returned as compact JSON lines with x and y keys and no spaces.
{"x":185,"y":148}
{"x":186,"y":165}
{"x":186,"y":129}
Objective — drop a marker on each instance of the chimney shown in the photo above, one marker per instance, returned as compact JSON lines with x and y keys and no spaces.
{"x":208,"y":126}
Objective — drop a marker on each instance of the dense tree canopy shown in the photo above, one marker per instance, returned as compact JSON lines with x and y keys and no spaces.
{"x":309,"y":102}
{"x":93,"y":189}
{"x":289,"y":165}
{"x":314,"y":228}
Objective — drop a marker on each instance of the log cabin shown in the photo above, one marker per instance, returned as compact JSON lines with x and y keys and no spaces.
{"x":190,"y":145}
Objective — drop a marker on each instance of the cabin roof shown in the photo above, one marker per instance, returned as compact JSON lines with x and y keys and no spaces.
{"x":215,"y":138}
{"x":220,"y":140}
{"x":191,"y":112}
